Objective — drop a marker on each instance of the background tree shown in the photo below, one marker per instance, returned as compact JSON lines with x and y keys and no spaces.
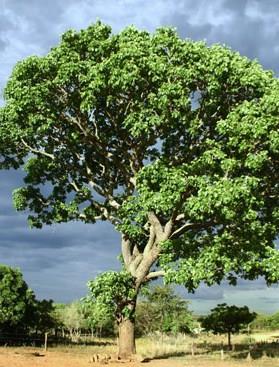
{"x":174,"y":142}
{"x":164,"y":311}
{"x":17,"y":301}
{"x":20,"y":311}
{"x":98,"y":319}
{"x":266,"y":322}
{"x":73,"y":319}
{"x":227,"y":319}
{"x":44,"y":319}
{"x":57,"y":315}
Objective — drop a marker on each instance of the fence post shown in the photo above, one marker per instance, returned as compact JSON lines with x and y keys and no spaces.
{"x":46,"y":342}
{"x":222,"y":351}
{"x":193,"y":349}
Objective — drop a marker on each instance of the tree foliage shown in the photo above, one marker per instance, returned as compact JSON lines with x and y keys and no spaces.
{"x":20,"y":311}
{"x":17,"y":301}
{"x":266,"y":322}
{"x":70,"y":319}
{"x":43,"y":319}
{"x":113,"y":292}
{"x":98,"y":319}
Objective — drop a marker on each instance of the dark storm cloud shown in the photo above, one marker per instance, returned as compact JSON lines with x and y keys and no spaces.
{"x":207,"y":293}
{"x":63,"y":257}
{"x":250,"y":27}
{"x":15,"y":226}
{"x":58,"y":260}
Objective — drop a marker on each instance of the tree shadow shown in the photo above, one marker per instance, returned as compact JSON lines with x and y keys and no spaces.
{"x":240,"y":351}
{"x":257,"y":351}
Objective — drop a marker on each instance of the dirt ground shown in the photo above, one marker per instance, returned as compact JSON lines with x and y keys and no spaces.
{"x":28,"y":357}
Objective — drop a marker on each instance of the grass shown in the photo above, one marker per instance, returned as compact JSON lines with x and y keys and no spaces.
{"x":204,"y":350}
{"x":205,"y":345}
{"x":257,"y":346}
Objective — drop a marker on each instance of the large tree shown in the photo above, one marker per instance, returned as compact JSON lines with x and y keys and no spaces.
{"x":174,"y":142}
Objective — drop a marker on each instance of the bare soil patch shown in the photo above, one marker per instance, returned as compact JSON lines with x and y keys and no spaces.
{"x":30,"y":357}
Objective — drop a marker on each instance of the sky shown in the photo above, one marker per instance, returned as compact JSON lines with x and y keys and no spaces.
{"x":57,"y":261}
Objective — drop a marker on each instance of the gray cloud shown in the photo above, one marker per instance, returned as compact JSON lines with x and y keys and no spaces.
{"x":250,"y":27}
{"x":58,"y":260}
{"x":62,"y":272}
{"x":37,"y":22}
{"x":5,"y":24}
{"x":204,"y":293}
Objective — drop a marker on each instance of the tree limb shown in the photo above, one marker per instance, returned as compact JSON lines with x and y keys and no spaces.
{"x":37,"y":151}
{"x":154,"y":221}
{"x":151,"y":240}
{"x":155,"y":274}
{"x":126,"y":250}
{"x":185,"y":227}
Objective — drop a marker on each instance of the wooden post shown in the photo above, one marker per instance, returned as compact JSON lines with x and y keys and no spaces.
{"x":249,"y":358}
{"x":193,"y":349}
{"x":46,"y":342}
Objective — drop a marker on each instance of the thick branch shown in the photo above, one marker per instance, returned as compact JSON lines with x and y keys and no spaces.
{"x":154,"y":221}
{"x":187,"y":226}
{"x":168,"y":227}
{"x":179,"y":217}
{"x":135,"y":263}
{"x":126,"y":250}
{"x":146,"y":263}
{"x":135,"y":250}
{"x":151,"y":240}
{"x":155,"y":274}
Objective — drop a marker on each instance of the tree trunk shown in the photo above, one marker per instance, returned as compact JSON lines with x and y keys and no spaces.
{"x":126,"y":341}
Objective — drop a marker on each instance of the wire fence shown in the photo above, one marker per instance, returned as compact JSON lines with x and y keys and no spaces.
{"x":11,"y":339}
{"x":50,"y":339}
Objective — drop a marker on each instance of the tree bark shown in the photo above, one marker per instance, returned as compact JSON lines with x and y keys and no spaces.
{"x":138,"y":263}
{"x":126,"y":340}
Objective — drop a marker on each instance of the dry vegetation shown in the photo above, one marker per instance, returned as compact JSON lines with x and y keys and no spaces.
{"x":163,"y":351}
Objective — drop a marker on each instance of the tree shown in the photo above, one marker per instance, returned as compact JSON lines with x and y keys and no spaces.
{"x":266,"y":322}
{"x":58,"y":316}
{"x":44,"y":319}
{"x":97,"y":319}
{"x":73,"y":319}
{"x":227,"y":319}
{"x":17,"y":301}
{"x":173,"y":142}
{"x":162,"y":310}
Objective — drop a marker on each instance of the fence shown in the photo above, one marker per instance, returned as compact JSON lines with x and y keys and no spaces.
{"x":35,"y":340}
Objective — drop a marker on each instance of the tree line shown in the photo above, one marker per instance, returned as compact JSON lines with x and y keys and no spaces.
{"x":160,"y":309}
